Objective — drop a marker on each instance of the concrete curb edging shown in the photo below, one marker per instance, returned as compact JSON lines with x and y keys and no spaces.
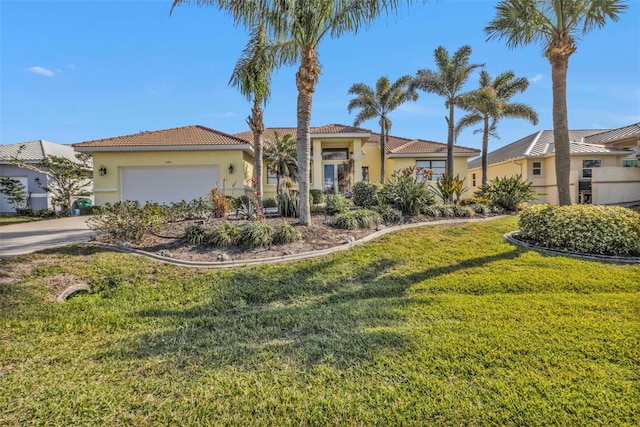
{"x":603,"y":258}
{"x":287,"y":258}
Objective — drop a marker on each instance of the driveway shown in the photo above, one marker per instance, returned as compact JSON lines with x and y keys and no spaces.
{"x":27,"y":237}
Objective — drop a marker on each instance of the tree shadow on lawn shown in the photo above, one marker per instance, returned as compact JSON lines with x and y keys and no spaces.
{"x":292,"y":317}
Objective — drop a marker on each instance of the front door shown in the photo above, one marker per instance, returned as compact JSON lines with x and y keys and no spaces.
{"x":336,"y":179}
{"x":329,"y":179}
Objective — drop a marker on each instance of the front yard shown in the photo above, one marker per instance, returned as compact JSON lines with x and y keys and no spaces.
{"x":444,"y":325}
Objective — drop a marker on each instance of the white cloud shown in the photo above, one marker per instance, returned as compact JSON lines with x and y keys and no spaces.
{"x":536,"y":78}
{"x":40,"y":70}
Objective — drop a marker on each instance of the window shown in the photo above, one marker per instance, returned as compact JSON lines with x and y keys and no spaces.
{"x":587,"y":165}
{"x":365,"y":173}
{"x":537,"y":168}
{"x":437,"y":168}
{"x":473,"y":179}
{"x":630,"y":163}
{"x":335,"y":154}
{"x":271,"y":177}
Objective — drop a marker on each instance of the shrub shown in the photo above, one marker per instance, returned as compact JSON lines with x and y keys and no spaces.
{"x":346,"y":221}
{"x":449,"y":188}
{"x":222,"y":235}
{"x":317,"y":209}
{"x":220,"y":204}
{"x":607,"y":230}
{"x":367,"y":218}
{"x":337,"y":204}
{"x":389,"y":214}
{"x":248,"y":209}
{"x":365,"y":194}
{"x":285,"y":233}
{"x":194,"y":234}
{"x":463,"y":211}
{"x":317,"y":196}
{"x":432,"y":211}
{"x":406,"y":193}
{"x":470,"y":201}
{"x":508,"y":192}
{"x":125,"y":221}
{"x":270,"y":203}
{"x":256,"y":234}
{"x":289,"y":204}
{"x":447,"y":211}
{"x":481,"y":209}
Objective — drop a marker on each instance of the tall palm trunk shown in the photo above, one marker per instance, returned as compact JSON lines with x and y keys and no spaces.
{"x":485,"y":148}
{"x":450,"y":141}
{"x":306,"y":80}
{"x":383,"y":146}
{"x":256,"y":124}
{"x":559,"y":59}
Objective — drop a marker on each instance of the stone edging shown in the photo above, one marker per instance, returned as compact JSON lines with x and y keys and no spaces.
{"x":604,"y":258}
{"x":286,"y":258}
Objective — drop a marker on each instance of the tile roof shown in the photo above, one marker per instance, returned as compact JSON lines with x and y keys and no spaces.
{"x":398,"y":145}
{"x":540,"y":144}
{"x":35,"y":151}
{"x":614,"y":134}
{"x":332,"y":128}
{"x":181,"y":136}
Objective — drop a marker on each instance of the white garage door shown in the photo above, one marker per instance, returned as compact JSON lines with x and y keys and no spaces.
{"x":166,"y":184}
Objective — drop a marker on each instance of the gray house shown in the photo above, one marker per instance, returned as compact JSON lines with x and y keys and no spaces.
{"x":33,"y":152}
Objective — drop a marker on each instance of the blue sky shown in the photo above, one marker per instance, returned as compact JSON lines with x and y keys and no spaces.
{"x":73,"y":71}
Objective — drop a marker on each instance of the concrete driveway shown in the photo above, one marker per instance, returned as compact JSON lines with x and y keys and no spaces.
{"x":27,"y":237}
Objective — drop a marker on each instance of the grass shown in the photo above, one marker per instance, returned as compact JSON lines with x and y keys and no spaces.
{"x":8,"y":220}
{"x":446,"y":325}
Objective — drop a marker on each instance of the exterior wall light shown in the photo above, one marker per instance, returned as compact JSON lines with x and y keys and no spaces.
{"x":102,"y":171}
{"x":230,"y":169}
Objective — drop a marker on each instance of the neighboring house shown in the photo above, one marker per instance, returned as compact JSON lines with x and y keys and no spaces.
{"x":604,"y":165}
{"x":33,"y":152}
{"x":187,"y":162}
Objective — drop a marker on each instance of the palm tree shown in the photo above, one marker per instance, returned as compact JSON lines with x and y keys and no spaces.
{"x":280,"y":156}
{"x":299,"y":27}
{"x":453,"y":72}
{"x":252,"y":77}
{"x":490,"y":103}
{"x":379,"y":103}
{"x":556,"y":24}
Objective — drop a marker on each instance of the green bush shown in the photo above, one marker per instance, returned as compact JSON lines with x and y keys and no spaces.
{"x":337,"y":204}
{"x":609,"y":230}
{"x":125,"y":221}
{"x":270,"y":203}
{"x":285,"y":233}
{"x":316,"y":196}
{"x":317,"y":209}
{"x":346,"y":221}
{"x":389,"y":214}
{"x":431,"y":210}
{"x":222,"y":235}
{"x":194,"y":234}
{"x":463,"y":211}
{"x":450,"y":189}
{"x":367,"y":218}
{"x":508,"y":192}
{"x":256,"y":234}
{"x":447,"y":211}
{"x":365,"y":193}
{"x":289,"y":204}
{"x":406,"y":193}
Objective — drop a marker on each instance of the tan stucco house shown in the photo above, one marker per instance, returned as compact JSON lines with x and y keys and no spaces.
{"x":604,"y":165}
{"x":187,"y":162}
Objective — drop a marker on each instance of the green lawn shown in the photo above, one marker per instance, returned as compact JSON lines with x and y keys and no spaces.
{"x":446,"y":325}
{"x":8,"y":220}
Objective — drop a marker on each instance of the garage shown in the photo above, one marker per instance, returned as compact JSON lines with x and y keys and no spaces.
{"x":166,"y":184}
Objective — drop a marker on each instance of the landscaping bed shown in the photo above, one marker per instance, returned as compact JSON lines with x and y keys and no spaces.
{"x":319,"y":235}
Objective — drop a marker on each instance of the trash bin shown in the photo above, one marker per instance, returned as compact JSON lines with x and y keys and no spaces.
{"x":83,"y":203}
